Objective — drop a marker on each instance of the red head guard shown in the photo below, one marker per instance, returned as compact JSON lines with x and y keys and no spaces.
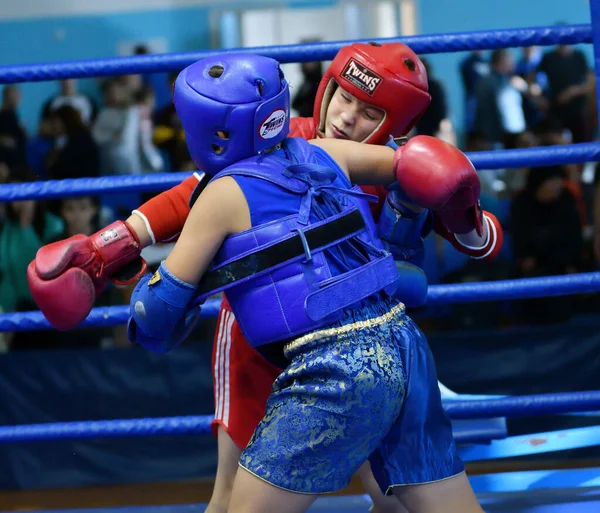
{"x":390,"y":77}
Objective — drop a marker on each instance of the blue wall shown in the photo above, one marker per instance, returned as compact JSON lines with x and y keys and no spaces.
{"x":436,"y":16}
{"x":88,"y":37}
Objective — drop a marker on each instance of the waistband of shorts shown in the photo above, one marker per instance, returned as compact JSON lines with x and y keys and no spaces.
{"x":313,"y":337}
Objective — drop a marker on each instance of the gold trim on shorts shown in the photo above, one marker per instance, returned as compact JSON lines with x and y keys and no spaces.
{"x":405,"y":485}
{"x":264,"y":480}
{"x":345,"y":329}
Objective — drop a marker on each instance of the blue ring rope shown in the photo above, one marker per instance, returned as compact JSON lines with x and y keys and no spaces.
{"x":421,"y":44}
{"x":188,"y":425}
{"x":543,"y":286}
{"x":525,"y":406}
{"x":486,"y":160}
{"x":437,"y":295}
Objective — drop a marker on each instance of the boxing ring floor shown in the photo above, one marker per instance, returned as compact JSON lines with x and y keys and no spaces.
{"x":569,"y":500}
{"x":544,"y":491}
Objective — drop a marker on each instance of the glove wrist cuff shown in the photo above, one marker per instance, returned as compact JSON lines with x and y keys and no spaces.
{"x":460,"y":222}
{"x":172,"y":290}
{"x":118,"y":244}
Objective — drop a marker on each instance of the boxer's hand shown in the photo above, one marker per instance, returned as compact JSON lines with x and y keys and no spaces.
{"x":159,"y":311}
{"x":440,"y":177}
{"x":403,"y":230}
{"x":181,"y":331}
{"x":66,"y":277}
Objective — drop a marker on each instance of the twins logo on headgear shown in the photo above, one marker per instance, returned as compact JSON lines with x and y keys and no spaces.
{"x":232,"y":107}
{"x":273,"y":125}
{"x":361,"y":76}
{"x":390,"y":77}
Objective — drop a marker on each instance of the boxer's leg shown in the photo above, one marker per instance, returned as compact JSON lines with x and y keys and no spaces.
{"x":242,"y":381}
{"x":227,"y":465}
{"x":381,"y":503}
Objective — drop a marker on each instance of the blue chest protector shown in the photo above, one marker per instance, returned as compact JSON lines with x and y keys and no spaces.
{"x":292,"y":275}
{"x":312,"y":253}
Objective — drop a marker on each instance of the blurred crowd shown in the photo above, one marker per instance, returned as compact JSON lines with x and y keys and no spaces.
{"x":551,"y":215}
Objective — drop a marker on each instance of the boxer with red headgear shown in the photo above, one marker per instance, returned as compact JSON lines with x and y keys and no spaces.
{"x":391,"y":78}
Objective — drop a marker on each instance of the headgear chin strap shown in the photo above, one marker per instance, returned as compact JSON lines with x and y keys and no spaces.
{"x":232,"y":106}
{"x":390,"y":77}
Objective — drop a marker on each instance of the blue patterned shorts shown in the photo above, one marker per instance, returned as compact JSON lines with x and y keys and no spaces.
{"x":342,"y":400}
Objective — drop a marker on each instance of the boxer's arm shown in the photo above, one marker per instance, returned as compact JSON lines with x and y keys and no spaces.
{"x":159,"y":303}
{"x":362,"y":163}
{"x":78,"y":268}
{"x":162,"y":218}
{"x":219,"y":211}
{"x":471,"y":244}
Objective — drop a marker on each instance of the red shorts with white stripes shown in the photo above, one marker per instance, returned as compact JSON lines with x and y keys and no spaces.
{"x":242,"y":380}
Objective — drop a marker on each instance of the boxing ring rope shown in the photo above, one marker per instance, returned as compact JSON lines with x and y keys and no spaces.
{"x":489,"y":408}
{"x":520,"y":406}
{"x":438,"y":43}
{"x":482,"y":160}
{"x":544,"y":286}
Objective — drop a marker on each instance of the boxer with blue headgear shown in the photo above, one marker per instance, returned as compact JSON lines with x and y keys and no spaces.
{"x":230,"y":110}
{"x":285,"y":233}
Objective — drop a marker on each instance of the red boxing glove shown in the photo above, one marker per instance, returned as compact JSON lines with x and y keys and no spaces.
{"x":441,"y":178}
{"x":66,"y":276}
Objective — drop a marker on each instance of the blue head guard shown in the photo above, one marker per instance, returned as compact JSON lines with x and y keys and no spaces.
{"x":243,"y":97}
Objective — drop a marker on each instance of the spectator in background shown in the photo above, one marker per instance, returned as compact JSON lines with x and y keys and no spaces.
{"x":304,"y":100}
{"x":74,"y":154}
{"x":69,"y":96}
{"x":547,"y":237}
{"x":499,"y":114}
{"x":492,"y":180}
{"x":151,"y":159}
{"x":437,"y":112}
{"x":116,"y":131}
{"x":133,"y":83}
{"x":528,"y":64}
{"x":26,"y":227}
{"x":4,"y":175}
{"x":472,"y":69}
{"x":158,"y":82}
{"x":39,"y":146}
{"x":77,"y":215}
{"x":169,"y":137}
{"x":80,"y":215}
{"x":569,"y":84}
{"x":13,"y":137}
{"x":549,"y":132}
{"x":533,"y":85}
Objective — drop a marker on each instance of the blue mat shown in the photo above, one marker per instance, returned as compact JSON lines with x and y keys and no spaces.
{"x":536,"y":503}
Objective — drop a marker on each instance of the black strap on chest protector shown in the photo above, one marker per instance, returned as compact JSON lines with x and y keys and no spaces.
{"x":288,"y":249}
